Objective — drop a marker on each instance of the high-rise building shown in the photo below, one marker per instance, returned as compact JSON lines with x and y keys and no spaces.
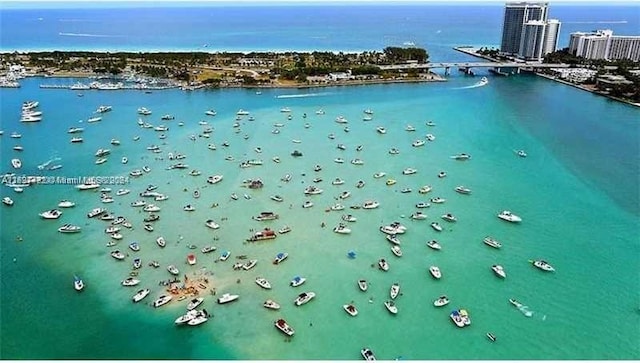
{"x":602,"y":44}
{"x":526,"y":32}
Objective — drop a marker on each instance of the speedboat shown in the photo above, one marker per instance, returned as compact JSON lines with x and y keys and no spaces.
{"x":118,"y":255}
{"x":394,"y":151}
{"x":263,"y":283}
{"x":297,"y":281}
{"x":441,"y":301}
{"x":101,"y":160}
{"x":285,"y":229}
{"x":312,"y":190}
{"x":521,"y":153}
{"x":337,"y":181}
{"x":383,"y":264}
{"x":425,"y":189}
{"x":141,"y":294}
{"x":461,"y":157}
{"x":418,"y":143}
{"x":435,"y":272}
{"x":357,"y":162}
{"x":349,"y":218}
{"x":423,"y":205}
{"x":130,"y":281}
{"x":73,"y":130}
{"x":280,"y":257}
{"x":51,"y":214}
{"x":418,"y":215}
{"x":214,"y":179}
{"x":304,"y":298}
{"x":225,"y":255}
{"x":249,"y":265}
{"x":162,"y":300}
{"x":379,"y":174}
{"x":16,"y":163}
{"x":270,"y":304}
{"x":134,"y":246}
{"x":345,"y":194}
{"x":395,"y":290}
{"x":390,"y":182}
{"x":449,"y":217}
{"x":207,"y":249}
{"x":457,"y":318}
{"x":499,"y":271}
{"x":393,"y":238}
{"x":266,"y":216}
{"x":103,"y":109}
{"x":462,"y":190}
{"x":265,"y":234}
{"x":307,"y":204}
{"x":509,"y":217}
{"x":437,"y":200}
{"x":78,"y":284}
{"x":212,"y":224}
{"x":409,"y":171}
{"x":173,"y":270}
{"x":381,"y":130}
{"x":77,"y":139}
{"x":69,"y":228}
{"x":442,"y":174}
{"x":350,"y":309}
{"x":391,"y":306}
{"x":285,"y":328}
{"x":183,"y":319}
{"x":436,"y":226}
{"x":363,"y":285}
{"x":430,"y":137}
{"x":370,"y":204}
{"x":434,"y":244}
{"x":396,"y":250}
{"x":342,"y":229}
{"x":430,"y":123}
{"x":191,"y":259}
{"x":7,"y":201}
{"x":543,"y":265}
{"x":194,"y":303}
{"x":227,"y":298}
{"x":367,"y":354}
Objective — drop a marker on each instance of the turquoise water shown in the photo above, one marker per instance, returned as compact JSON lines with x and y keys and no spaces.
{"x":577,"y":192}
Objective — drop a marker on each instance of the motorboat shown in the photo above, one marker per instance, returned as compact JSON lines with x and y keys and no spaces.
{"x":285,"y":328}
{"x":337,"y":181}
{"x":379,"y":174}
{"x":390,"y":182}
{"x":466,"y":320}
{"x":409,"y":171}
{"x":69,"y":228}
{"x":436,"y":226}
{"x":509,"y":217}
{"x":18,"y":148}
{"x":430,"y":123}
{"x":162,"y":300}
{"x":363,"y":285}
{"x":344,"y":195}
{"x":418,"y":143}
{"x":307,"y":204}
{"x":457,"y":318}
{"x":312,"y":190}
{"x":76,"y":140}
{"x":115,"y":142}
{"x":16,"y":163}
{"x":285,"y":229}
{"x":418,"y":215}
{"x":499,"y":271}
{"x":280,"y":257}
{"x":435,"y":272}
{"x":462,"y":190}
{"x":441,"y":301}
{"x":263,"y":283}
{"x":138,"y":203}
{"x":194,"y":303}
{"x":391,"y":306}
{"x":543,"y":265}
{"x":297,"y":281}
{"x":78,"y":284}
{"x":173,"y":270}
{"x":227,"y":298}
{"x":96,"y":212}
{"x":437,"y":200}
{"x":423,"y":205}
{"x":434,"y":245}
{"x":370,"y":204}
{"x":51,"y":214}
{"x":191,"y":259}
{"x":395,"y":290}
{"x":141,"y":294}
{"x":207,"y":249}
{"x":103,"y":109}
{"x":73,"y":130}
{"x":212,"y":224}
{"x":7,"y":201}
{"x":249,"y":265}
{"x":395,"y":249}
{"x":367,"y":354}
{"x":381,"y":130}
{"x":304,"y":298}
{"x":442,"y":174}
{"x":349,"y":218}
{"x":394,"y":151}
{"x":265,"y":234}
{"x":130,"y":281}
{"x":117,"y":255}
{"x":521,"y":153}
{"x":383,"y":264}
{"x":266,"y":216}
{"x":449,"y":217}
{"x":184,"y":319}
{"x":430,"y":137}
{"x":393,"y":238}
{"x":357,"y":162}
{"x":148,"y":227}
{"x":94,"y":119}
{"x":491,"y":337}
{"x":134,"y":246}
{"x":270,"y":304}
{"x":151,"y":208}
{"x":461,"y":157}
{"x":425,"y":189}
{"x":350,"y":309}
{"x":102,"y":152}
{"x":342,"y":229}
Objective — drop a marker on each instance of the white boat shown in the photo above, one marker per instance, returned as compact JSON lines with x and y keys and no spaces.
{"x":342,"y":229}
{"x":266,"y":216}
{"x":120,"y":192}
{"x":263,"y":283}
{"x":395,"y":249}
{"x":381,"y":130}
{"x":437,"y":200}
{"x":212,"y":224}
{"x":357,"y":162}
{"x":543,"y":265}
{"x":350,"y":309}
{"x":457,"y":318}
{"x":173,"y":270}
{"x":349,"y":218}
{"x":337,"y":181}
{"x":430,"y":137}
{"x":29,"y":105}
{"x":285,"y":229}
{"x":18,"y":148}
{"x":7,"y":201}
{"x":363,"y":285}
{"x":78,"y":284}
{"x":16,"y":163}
{"x":461,"y":157}
{"x":183,"y":319}
{"x":225,"y":255}
{"x":391,"y":306}
{"x":270,"y":304}
{"x":434,"y":245}
{"x":73,"y":130}
{"x":307,"y":204}
{"x":141,"y":294}
{"x":276,"y":198}
{"x":483,"y":81}
{"x":191,"y":259}
{"x":51,"y":214}
{"x":227,"y":298}
{"x":130,"y":281}
{"x":208,"y":249}
{"x":370,"y":204}
{"x":297,"y":281}
{"x":489,"y":241}
{"x":242,"y":112}
{"x":509,"y":217}
{"x":462,"y":189}
{"x":280,"y":257}
{"x":194,"y":303}
{"x":94,"y":119}
{"x":409,"y":171}
{"x":304,"y":298}
{"x":425,"y":189}
{"x":383,"y":264}
{"x":134,"y":246}
{"x":117,"y":255}
{"x":441,"y":301}
{"x":442,"y":174}
{"x":499,"y":271}
{"x":103,"y":109}
{"x":214,"y":179}
{"x":435,"y":272}
{"x":95,"y":212}
{"x":418,"y":215}
{"x":418,"y":143}
{"x":395,"y":290}
{"x":285,"y":328}
{"x":144,"y":111}
{"x":102,"y":152}
{"x":367,"y":354}
{"x":312,"y":190}
{"x":162,"y":300}
{"x":69,"y":228}
{"x":521,"y":153}
{"x":436,"y":226}
{"x":249,"y":265}
{"x":449,"y":217}
{"x":394,"y":151}
{"x":393,"y":238}
{"x":423,"y":205}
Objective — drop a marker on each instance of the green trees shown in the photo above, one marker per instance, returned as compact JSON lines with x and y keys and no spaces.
{"x":402,"y":55}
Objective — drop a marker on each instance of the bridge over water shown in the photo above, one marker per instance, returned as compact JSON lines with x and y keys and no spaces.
{"x":466,"y":66}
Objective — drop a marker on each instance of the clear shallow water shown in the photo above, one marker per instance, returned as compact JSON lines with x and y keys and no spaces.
{"x":577,"y":192}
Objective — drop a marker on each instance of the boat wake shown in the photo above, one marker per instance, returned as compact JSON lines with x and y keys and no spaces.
{"x":86,"y":35}
{"x":47,"y":164}
{"x":304,"y":95}
{"x":475,"y":85}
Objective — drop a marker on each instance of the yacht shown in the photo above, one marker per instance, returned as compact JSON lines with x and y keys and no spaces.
{"x":51,"y":214}
{"x":509,"y":217}
{"x":434,"y":245}
{"x":103,"y":109}
{"x":16,"y":163}
{"x":118,"y":255}
{"x":7,"y":201}
{"x":342,"y":229}
{"x":441,"y":301}
{"x":186,"y":318}
{"x":418,"y":143}
{"x":285,"y":229}
{"x":270,"y":304}
{"x":391,"y":306}
{"x":194,"y":303}
{"x":543,"y":265}
{"x":285,"y":328}
{"x":449,"y":217}
{"x":141,"y":294}
{"x":499,"y":271}
{"x":297,"y":281}
{"x":462,"y":190}
{"x":436,"y":226}
{"x":173,"y":270}
{"x":78,"y":284}
{"x":73,"y":130}
{"x":266,"y":216}
{"x":350,"y":309}
{"x":363,"y":285}
{"x":280,"y":257}
{"x":227,"y":298}
{"x":383,"y":264}
{"x":69,"y":228}
{"x":212,"y":224}
{"x":395,"y":290}
{"x":367,"y":354}
{"x":393,"y":238}
{"x":435,"y":272}
{"x":249,"y":265}
{"x":409,"y":171}
{"x":304,"y":298}
{"x":489,"y":241}
{"x":263,"y":283}
{"x":162,"y":300}
{"x":130,"y":281}
{"x":395,"y":249}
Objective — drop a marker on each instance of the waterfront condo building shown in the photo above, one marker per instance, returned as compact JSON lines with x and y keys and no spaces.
{"x":526,"y":31}
{"x":602,"y":44}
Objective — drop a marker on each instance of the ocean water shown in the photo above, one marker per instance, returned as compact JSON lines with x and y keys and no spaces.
{"x":577,"y":192}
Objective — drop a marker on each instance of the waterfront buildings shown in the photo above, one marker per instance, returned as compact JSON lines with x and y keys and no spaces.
{"x":526,"y":31}
{"x":602,"y":44}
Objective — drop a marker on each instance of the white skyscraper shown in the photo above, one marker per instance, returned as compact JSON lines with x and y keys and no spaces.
{"x":526,"y":32}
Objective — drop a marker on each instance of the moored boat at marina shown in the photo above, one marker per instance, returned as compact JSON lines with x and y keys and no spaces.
{"x":285,"y":328}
